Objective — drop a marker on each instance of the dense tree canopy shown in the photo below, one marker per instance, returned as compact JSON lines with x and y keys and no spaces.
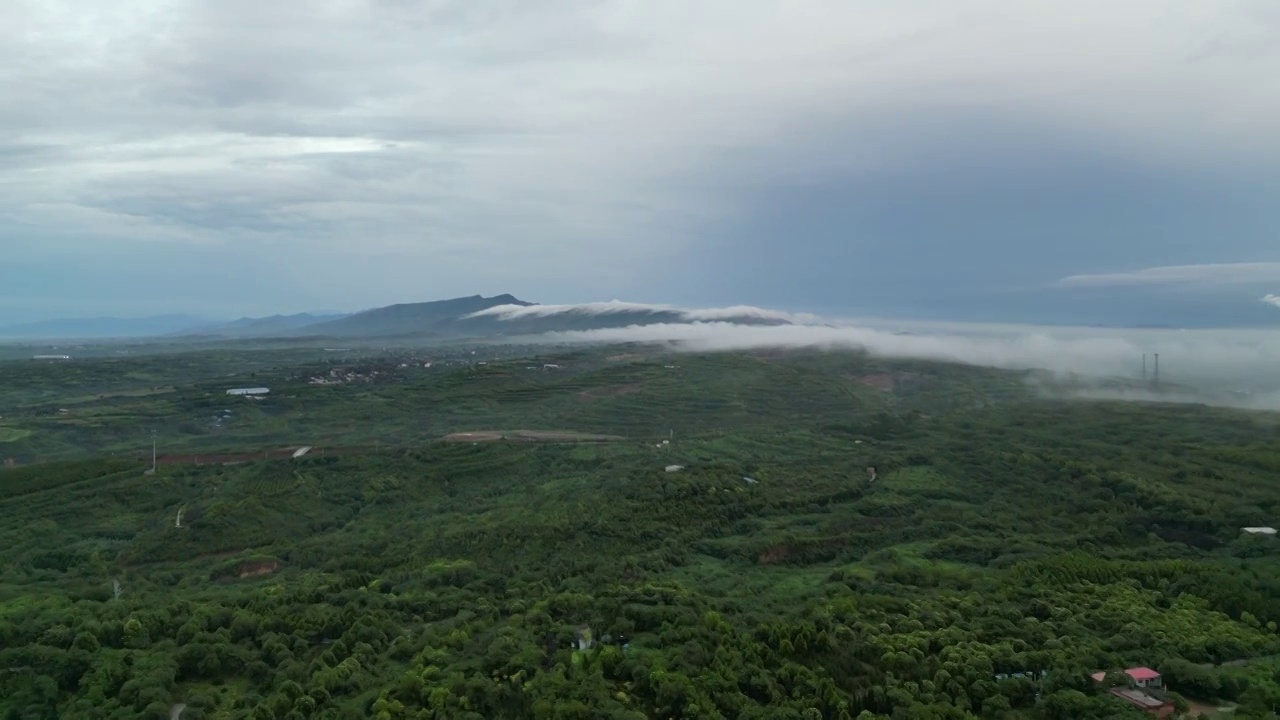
{"x":1002,"y":553}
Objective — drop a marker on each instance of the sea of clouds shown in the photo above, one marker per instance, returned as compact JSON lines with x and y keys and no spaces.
{"x":1245,"y":363}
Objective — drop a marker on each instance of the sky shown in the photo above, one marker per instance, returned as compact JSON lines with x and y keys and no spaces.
{"x":952,"y":160}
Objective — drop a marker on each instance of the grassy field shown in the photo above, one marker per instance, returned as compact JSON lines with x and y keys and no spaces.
{"x":13,"y":435}
{"x":770,"y":577}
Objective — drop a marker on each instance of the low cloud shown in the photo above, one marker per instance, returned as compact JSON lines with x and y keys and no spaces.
{"x":1269,"y":400}
{"x":1240,"y":368}
{"x":1215,"y":273}
{"x":1271,"y":299}
{"x":613,"y":307}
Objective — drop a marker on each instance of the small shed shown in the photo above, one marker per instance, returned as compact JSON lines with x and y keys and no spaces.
{"x":1139,"y":698}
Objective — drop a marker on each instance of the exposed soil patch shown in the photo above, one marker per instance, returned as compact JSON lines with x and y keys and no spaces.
{"x":258,"y":569}
{"x":804,"y":551}
{"x":1195,"y":708}
{"x":775,"y":554}
{"x":879,"y":381}
{"x":528,"y":436}
{"x":613,"y":391}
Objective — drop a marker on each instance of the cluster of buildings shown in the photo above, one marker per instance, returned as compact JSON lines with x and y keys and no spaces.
{"x":339,"y":376}
{"x":1145,"y":690}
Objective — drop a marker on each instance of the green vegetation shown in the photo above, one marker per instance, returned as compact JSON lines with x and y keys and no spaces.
{"x":408,"y":577}
{"x":11,"y":434}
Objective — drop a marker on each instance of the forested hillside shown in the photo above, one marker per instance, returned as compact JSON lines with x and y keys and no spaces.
{"x":819,"y":536}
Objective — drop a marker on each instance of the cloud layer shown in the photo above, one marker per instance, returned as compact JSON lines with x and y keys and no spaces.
{"x":1215,"y":274}
{"x":1210,"y":360}
{"x":350,"y":154}
{"x":613,"y":307}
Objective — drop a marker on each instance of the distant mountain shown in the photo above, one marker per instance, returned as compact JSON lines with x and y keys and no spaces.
{"x":477,"y":316}
{"x":102,"y":327}
{"x":592,"y":316}
{"x":474,"y":316}
{"x":273,"y":326}
{"x":425,"y":318}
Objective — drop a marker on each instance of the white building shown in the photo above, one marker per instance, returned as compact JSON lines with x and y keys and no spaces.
{"x":248,"y":391}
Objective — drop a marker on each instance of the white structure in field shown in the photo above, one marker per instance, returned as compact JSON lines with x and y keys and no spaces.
{"x":1260,"y":530}
{"x":248,"y":391}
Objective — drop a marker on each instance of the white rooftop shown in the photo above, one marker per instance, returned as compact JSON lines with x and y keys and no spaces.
{"x":1260,"y":530}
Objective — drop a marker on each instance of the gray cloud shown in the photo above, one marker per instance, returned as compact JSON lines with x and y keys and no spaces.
{"x":514,"y":312}
{"x":1219,"y":273}
{"x":555,"y":139}
{"x":1217,"y":361}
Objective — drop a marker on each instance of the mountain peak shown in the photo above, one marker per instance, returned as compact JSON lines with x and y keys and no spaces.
{"x":508,"y":299}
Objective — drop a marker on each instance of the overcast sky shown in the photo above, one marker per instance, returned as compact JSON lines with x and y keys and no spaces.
{"x":1036,"y":161}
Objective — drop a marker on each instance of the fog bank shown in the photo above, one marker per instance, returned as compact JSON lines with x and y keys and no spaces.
{"x":1242,"y":361}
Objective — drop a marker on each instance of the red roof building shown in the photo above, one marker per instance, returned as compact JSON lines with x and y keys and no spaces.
{"x":1145,"y":690}
{"x":1139,"y":676}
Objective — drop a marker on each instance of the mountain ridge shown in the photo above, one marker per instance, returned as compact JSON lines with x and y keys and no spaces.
{"x":471,"y":316}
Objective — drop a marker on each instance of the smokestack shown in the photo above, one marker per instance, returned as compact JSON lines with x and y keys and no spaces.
{"x":1157,"y":369}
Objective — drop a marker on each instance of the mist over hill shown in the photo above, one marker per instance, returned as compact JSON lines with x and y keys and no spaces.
{"x":1224,"y":366}
{"x":473,"y":316}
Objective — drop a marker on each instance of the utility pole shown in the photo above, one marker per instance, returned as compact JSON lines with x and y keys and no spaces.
{"x":152,"y":471}
{"x":1144,"y":367}
{"x":1157,"y":372}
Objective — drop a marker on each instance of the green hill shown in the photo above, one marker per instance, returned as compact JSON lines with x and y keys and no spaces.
{"x":770,"y":577}
{"x":406,"y":319}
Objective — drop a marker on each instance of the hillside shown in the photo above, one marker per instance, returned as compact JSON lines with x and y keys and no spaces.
{"x":487,"y":317}
{"x":391,"y":574}
{"x":472,"y":317}
{"x":406,"y":319}
{"x":275,"y":325}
